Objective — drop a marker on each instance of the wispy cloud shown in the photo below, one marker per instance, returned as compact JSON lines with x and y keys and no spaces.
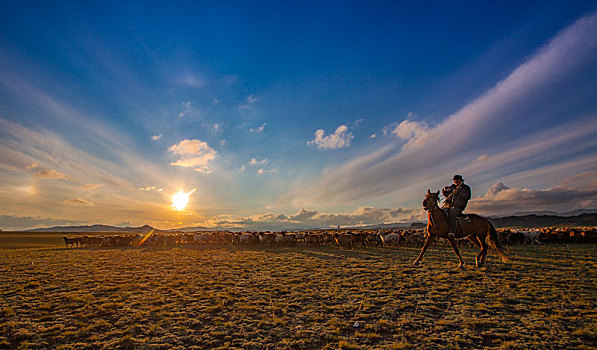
{"x":339,"y":139}
{"x":156,"y":137}
{"x":77,"y":202}
{"x":262,"y":171}
{"x":194,"y":154}
{"x":50,"y":174}
{"x":187,"y":109}
{"x":249,"y":101}
{"x":258,"y":129}
{"x":445,"y":148}
{"x":254,"y":161}
{"x":151,"y":188}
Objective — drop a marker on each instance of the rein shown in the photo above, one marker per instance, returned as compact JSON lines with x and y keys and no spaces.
{"x":431,"y":216}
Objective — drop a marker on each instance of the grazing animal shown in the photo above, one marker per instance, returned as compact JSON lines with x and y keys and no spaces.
{"x":344,"y":240}
{"x":73,"y":242}
{"x":415,"y":239}
{"x":267,"y":239}
{"x":390,"y":240}
{"x":531,"y":237}
{"x":478,"y":230}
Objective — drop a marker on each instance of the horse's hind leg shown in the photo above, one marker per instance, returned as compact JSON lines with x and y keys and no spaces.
{"x":455,"y":247}
{"x":480,"y":258}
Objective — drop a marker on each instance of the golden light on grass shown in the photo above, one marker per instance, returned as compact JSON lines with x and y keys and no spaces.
{"x":180,"y":199}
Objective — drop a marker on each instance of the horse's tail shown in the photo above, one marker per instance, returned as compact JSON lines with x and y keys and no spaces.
{"x":493,"y":241}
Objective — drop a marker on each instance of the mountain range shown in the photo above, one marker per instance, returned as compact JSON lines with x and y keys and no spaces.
{"x":582,"y":217}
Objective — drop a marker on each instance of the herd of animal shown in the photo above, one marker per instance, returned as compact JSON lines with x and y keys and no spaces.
{"x":345,"y":239}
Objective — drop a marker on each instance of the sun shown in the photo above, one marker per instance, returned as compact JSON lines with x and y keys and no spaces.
{"x":180,"y":199}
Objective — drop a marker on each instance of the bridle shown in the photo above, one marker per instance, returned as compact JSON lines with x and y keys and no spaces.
{"x":431,"y":208}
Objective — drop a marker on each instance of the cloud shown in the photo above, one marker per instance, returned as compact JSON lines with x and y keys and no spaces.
{"x":186,"y":109}
{"x":306,"y":218}
{"x":411,"y":131}
{"x":372,"y":136}
{"x":490,"y":124}
{"x":259,"y":129}
{"x":156,"y":137}
{"x":194,"y":154}
{"x":249,"y":101}
{"x":339,"y":139}
{"x":262,"y":171}
{"x":77,"y":202}
{"x":501,"y":199}
{"x":151,"y":188}
{"x":50,"y":174}
{"x":10,"y":222}
{"x":254,"y":161}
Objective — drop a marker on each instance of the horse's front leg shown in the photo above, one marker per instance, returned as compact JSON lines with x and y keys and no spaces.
{"x":425,"y":246}
{"x":455,"y":247}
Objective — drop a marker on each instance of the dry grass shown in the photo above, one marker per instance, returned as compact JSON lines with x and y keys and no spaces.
{"x":297,"y":298}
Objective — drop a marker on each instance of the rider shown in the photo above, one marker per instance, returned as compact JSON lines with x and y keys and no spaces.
{"x":457,"y":197}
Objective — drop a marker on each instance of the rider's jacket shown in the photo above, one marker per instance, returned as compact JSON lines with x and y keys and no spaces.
{"x":457,"y":196}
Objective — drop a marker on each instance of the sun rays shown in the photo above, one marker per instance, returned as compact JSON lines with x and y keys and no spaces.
{"x":180,"y":199}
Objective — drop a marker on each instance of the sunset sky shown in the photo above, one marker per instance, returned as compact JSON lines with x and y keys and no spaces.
{"x":309,"y":114}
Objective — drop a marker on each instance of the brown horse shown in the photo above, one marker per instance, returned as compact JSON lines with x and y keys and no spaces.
{"x":477,"y":229}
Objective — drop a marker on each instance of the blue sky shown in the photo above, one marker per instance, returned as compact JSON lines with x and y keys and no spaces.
{"x":292,"y":115}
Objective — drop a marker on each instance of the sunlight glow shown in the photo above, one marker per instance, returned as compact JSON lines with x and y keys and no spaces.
{"x":180,"y":199}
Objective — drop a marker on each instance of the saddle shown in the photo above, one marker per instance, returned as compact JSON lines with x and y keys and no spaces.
{"x":463,"y":218}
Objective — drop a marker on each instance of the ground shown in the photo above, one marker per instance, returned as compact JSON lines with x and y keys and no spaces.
{"x":297,"y":298}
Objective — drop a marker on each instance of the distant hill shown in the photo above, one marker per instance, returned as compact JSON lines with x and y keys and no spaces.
{"x":551,"y":213}
{"x":534,"y":220}
{"x":94,"y":228}
{"x":587,"y":218}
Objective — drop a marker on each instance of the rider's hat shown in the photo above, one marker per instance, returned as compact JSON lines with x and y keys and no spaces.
{"x":457,"y":177}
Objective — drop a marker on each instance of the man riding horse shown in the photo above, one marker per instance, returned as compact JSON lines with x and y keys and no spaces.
{"x":457,"y":197}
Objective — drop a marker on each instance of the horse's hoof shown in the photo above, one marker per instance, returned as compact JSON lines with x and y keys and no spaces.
{"x":461,"y":266}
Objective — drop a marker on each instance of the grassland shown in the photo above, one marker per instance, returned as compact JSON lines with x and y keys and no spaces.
{"x":297,"y":298}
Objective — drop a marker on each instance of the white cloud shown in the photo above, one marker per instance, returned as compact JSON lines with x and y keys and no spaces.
{"x":339,"y":139}
{"x":254,"y":161}
{"x":259,"y":129}
{"x":372,"y":136}
{"x":411,"y":131}
{"x":194,"y":154}
{"x":156,"y":137}
{"x":186,"y":109}
{"x":151,"y":188}
{"x":249,"y":101}
{"x":262,"y":171}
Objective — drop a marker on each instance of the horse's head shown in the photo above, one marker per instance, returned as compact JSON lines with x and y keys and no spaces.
{"x":430,"y":201}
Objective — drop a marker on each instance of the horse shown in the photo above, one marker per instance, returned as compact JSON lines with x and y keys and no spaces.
{"x":479,"y":230}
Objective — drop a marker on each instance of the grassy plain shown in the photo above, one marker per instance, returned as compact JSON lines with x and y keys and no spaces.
{"x":297,"y":298}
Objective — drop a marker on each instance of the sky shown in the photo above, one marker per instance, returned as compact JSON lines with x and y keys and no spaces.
{"x":311,"y":114}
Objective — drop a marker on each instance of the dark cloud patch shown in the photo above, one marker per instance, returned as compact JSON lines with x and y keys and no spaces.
{"x":501,"y":199}
{"x":78,"y":202}
{"x":10,"y":222}
{"x":307,"y":218}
